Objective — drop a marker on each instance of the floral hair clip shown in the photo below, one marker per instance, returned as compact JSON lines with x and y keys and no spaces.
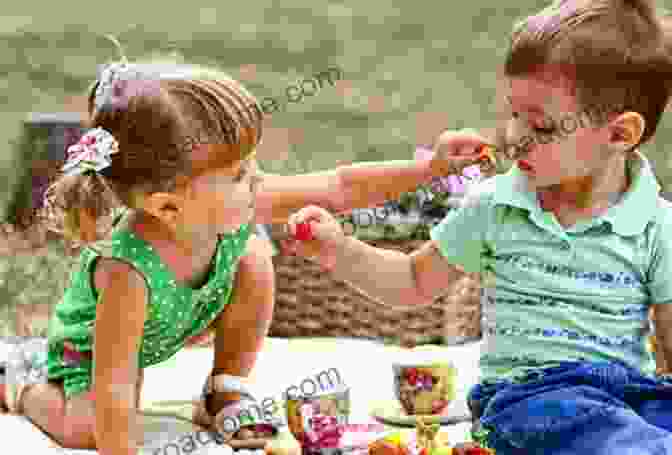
{"x":92,"y":153}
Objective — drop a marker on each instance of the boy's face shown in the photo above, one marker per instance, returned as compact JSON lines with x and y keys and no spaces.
{"x":559,"y":141}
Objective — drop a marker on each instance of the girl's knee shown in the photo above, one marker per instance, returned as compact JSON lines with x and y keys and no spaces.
{"x":79,"y":422}
{"x":70,"y":423}
{"x":79,"y":434}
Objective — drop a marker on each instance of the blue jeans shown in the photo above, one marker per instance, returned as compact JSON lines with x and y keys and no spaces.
{"x":596,"y":408}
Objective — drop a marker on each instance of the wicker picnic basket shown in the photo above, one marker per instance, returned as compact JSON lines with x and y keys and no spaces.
{"x":310,"y":302}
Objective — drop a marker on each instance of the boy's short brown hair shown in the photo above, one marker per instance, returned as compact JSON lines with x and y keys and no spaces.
{"x":617,"y":54}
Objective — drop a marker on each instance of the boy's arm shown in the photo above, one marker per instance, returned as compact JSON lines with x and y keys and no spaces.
{"x":660,"y":289}
{"x":397,"y":278}
{"x":338,"y":190}
{"x":120,"y":318}
{"x":662,"y":319}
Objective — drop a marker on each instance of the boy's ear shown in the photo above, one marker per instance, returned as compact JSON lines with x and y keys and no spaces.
{"x":626,"y":130}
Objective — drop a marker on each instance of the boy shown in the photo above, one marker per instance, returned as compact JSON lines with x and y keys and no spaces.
{"x":574,"y":241}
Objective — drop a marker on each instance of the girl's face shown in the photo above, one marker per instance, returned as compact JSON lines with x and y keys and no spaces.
{"x":221,"y":200}
{"x":557,"y":143}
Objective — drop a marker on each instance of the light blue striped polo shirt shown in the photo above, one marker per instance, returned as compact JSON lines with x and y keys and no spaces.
{"x":553,"y":294}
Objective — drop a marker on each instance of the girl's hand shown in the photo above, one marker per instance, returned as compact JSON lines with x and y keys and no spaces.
{"x":455,"y":150}
{"x":315,"y":235}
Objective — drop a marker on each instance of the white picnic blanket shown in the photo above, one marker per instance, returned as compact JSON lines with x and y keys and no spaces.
{"x":365,"y":366}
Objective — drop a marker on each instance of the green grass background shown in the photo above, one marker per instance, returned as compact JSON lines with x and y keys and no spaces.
{"x":416,"y":57}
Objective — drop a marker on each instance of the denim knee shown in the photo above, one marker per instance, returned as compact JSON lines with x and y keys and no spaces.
{"x":550,"y":416}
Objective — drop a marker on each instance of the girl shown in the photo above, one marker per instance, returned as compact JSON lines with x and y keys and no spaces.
{"x":574,"y":241}
{"x":174,"y":144}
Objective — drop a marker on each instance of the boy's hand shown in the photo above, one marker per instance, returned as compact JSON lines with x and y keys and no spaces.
{"x":455,"y":150}
{"x":315,"y":235}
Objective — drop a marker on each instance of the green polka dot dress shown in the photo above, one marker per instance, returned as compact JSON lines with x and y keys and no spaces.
{"x":174,"y":314}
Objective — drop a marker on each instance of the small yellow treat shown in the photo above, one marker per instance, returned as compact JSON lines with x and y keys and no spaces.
{"x":487,"y":153}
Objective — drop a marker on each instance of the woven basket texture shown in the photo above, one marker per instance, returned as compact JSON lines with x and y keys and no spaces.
{"x":311,"y":303}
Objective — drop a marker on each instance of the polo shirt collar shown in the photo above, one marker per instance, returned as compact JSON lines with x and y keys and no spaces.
{"x":628,"y":217}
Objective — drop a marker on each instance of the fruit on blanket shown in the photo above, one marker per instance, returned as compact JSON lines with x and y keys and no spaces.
{"x":283,"y":445}
{"x":442,"y":450}
{"x":393,"y":444}
{"x":471,"y":448}
{"x":384,"y":447}
{"x":479,"y":451}
{"x":397,"y":438}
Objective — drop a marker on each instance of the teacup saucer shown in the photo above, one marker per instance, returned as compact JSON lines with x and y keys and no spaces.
{"x":391,"y":413}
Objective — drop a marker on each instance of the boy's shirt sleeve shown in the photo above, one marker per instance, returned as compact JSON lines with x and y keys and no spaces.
{"x":461,"y":234}
{"x":660,"y":272}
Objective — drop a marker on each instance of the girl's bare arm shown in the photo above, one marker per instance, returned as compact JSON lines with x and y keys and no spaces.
{"x":120,"y":319}
{"x":394,"y":277}
{"x":338,"y":190}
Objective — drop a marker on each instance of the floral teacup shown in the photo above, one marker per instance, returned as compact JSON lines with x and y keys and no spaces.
{"x":424,"y":388}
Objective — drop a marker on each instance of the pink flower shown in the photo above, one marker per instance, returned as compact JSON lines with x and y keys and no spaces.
{"x":472,"y":172}
{"x":455,"y":184}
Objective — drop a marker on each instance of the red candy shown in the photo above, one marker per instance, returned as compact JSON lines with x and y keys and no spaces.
{"x":478,"y":451}
{"x":412,"y":376}
{"x":304,"y":233}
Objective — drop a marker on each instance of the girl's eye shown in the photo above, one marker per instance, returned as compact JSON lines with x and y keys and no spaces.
{"x":241,"y":174}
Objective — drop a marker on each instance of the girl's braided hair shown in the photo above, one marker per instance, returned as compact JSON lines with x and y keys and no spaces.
{"x":157,"y":111}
